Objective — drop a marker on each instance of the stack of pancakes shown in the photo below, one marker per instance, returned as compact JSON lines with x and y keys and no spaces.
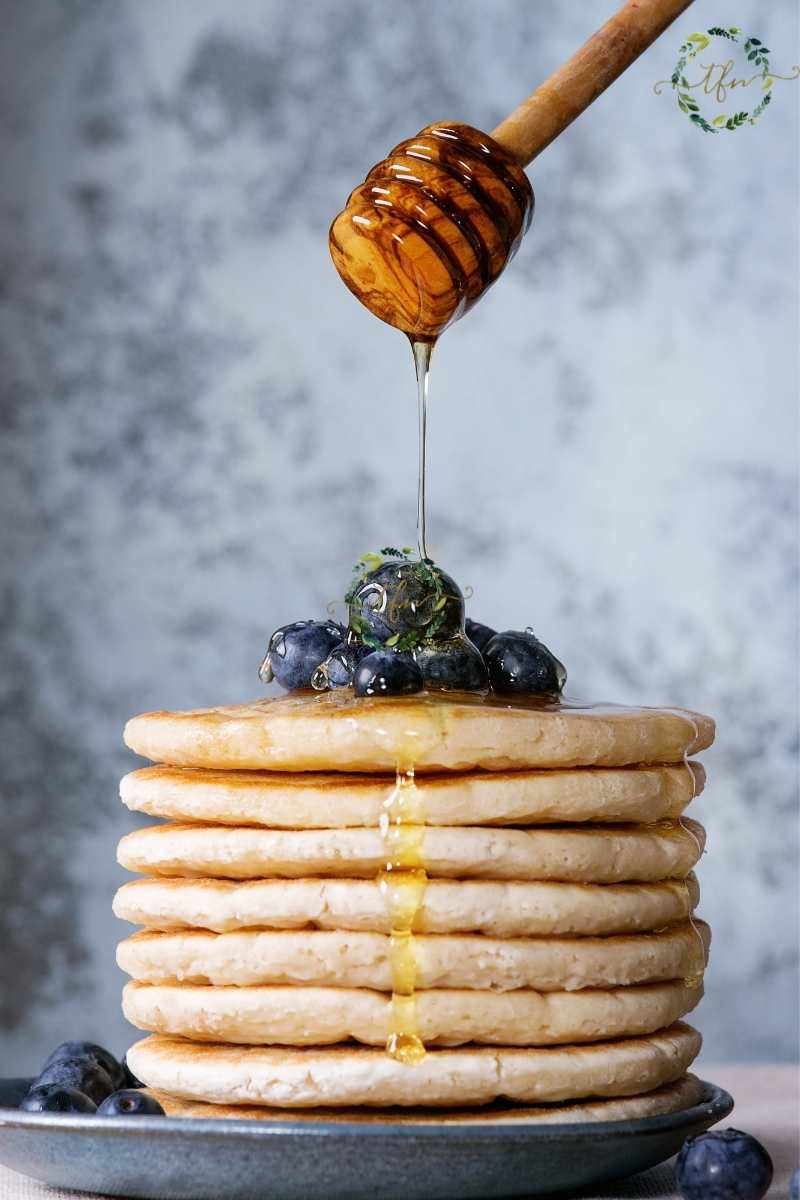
{"x":427,"y":901}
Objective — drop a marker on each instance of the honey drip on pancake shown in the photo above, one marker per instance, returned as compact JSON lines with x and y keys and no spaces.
{"x":402,"y":884}
{"x":676,"y":828}
{"x":695,"y":975}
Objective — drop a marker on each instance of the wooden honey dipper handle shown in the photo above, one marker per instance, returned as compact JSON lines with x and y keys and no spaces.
{"x":560,"y":99}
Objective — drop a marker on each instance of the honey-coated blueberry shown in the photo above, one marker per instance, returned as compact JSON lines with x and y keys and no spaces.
{"x":401,"y":597}
{"x":387,"y":673}
{"x":295,"y":651}
{"x":519,"y":664}
{"x":452,"y":666}
{"x":478,"y":634}
{"x":339,"y":667}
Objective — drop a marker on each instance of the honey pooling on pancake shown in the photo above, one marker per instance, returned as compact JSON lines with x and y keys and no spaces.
{"x":402,"y":884}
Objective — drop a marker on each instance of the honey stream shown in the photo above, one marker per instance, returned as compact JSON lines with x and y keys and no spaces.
{"x":422,"y":352}
{"x":402,"y":824}
{"x":402,"y":883}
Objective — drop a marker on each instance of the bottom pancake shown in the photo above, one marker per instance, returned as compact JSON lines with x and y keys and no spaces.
{"x":317,"y":1016}
{"x":355,"y":1076}
{"x":669,"y":1098}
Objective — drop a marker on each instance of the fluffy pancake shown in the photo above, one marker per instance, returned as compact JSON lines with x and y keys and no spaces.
{"x":306,"y":1016}
{"x":285,"y":801}
{"x":364,"y":960}
{"x":670,"y":1097}
{"x":440,"y":732}
{"x":583,"y":854}
{"x":503,"y":910}
{"x":357,"y":1076}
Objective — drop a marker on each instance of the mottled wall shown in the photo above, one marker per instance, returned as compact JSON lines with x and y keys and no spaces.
{"x":201,"y":430}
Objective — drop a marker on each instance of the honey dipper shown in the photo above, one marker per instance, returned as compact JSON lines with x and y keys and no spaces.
{"x":434,"y":224}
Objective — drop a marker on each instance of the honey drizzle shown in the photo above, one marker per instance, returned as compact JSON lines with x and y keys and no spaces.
{"x":694,"y":976}
{"x":422,"y":352}
{"x":402,"y":883}
{"x":696,"y":973}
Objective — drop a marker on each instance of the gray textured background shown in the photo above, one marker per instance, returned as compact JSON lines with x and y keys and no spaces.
{"x":201,"y":430}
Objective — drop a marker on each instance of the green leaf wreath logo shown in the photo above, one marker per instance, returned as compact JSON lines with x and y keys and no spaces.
{"x":717,"y":84}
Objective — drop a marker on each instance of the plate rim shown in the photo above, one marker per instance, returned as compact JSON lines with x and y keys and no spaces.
{"x":716,"y":1103}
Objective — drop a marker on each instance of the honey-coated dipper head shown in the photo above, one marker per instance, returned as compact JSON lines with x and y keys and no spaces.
{"x":431,"y":228}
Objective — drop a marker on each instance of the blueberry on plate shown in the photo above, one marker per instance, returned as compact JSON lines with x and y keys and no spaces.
{"x":723,"y":1165}
{"x":478,"y":634}
{"x":387,"y":673}
{"x":81,"y":1074}
{"x":91,"y":1052}
{"x":295,"y":651}
{"x":130,"y":1103}
{"x":519,"y":663}
{"x":794,"y":1186}
{"x":338,"y":668}
{"x":53,"y":1098}
{"x":455,"y":665}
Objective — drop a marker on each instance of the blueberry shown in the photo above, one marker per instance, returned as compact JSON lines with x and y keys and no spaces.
{"x":83,"y":1074}
{"x":90,"y":1050}
{"x":401,"y":597}
{"x":387,"y":673}
{"x":519,"y":663}
{"x":338,"y":668}
{"x":724,"y":1165}
{"x":295,"y":651}
{"x":455,"y":665}
{"x":478,"y":634}
{"x":130,"y":1103}
{"x":53,"y":1098}
{"x":794,"y":1186}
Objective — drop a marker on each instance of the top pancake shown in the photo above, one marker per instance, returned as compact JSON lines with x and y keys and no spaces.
{"x":336,"y":731}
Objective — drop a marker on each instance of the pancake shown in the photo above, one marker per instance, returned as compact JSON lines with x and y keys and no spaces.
{"x":286,"y":801}
{"x":357,"y":1076}
{"x":439,"y":732}
{"x":364,"y":960}
{"x":669,"y":1098}
{"x":318,"y":1016}
{"x":582,"y":854}
{"x":503,"y":910}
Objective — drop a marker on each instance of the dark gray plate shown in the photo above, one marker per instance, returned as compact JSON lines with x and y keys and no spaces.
{"x":180,"y":1158}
